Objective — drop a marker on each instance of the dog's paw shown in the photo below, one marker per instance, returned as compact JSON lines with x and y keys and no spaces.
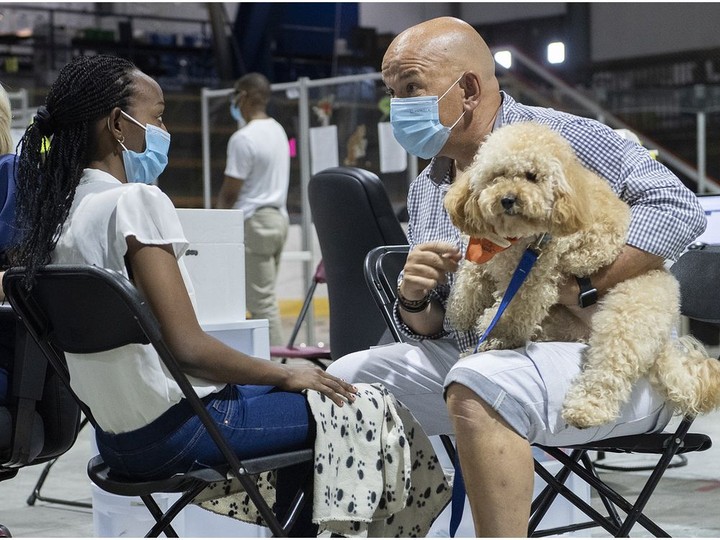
{"x":492,"y":344}
{"x":467,"y":352}
{"x":587,"y":411}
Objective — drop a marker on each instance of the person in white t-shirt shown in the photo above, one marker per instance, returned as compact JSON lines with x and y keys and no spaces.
{"x":90,"y":200}
{"x":257,"y":175}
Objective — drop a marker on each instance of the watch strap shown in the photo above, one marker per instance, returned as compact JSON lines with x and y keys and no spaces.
{"x":588,"y":293}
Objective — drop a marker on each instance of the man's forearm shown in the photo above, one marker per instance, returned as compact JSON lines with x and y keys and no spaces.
{"x":426,"y":323}
{"x":630,"y":263}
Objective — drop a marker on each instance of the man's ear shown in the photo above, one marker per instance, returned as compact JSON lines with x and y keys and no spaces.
{"x":470,"y":83}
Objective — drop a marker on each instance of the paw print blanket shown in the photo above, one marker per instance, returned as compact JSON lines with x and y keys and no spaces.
{"x":376,"y":472}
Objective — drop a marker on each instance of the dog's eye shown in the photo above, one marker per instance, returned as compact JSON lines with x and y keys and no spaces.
{"x":531,"y":176}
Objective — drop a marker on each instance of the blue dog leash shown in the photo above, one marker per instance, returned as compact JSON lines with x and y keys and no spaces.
{"x":526,"y":263}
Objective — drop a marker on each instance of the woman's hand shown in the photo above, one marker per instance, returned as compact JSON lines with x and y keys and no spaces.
{"x":314,"y":378}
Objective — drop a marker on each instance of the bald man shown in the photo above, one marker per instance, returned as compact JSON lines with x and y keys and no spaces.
{"x":499,"y":402}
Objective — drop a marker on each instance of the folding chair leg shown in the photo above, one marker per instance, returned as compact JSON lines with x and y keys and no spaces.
{"x":449,"y":447}
{"x":649,"y":488}
{"x":633,"y":511}
{"x":36,"y":496}
{"x":303,"y":313}
{"x":611,"y":509}
{"x":296,"y":507}
{"x":556,"y":486}
{"x":163,"y":520}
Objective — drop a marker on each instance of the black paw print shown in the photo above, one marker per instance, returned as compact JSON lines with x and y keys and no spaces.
{"x":350,"y":460}
{"x":432,"y":463}
{"x":352,"y":504}
{"x":390,"y":495}
{"x":233,"y":509}
{"x":371,"y":431}
{"x":361,"y":468}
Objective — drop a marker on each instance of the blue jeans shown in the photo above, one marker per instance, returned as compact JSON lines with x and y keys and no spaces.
{"x":255,"y":420}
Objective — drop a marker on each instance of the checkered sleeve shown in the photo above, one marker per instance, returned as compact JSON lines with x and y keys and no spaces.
{"x":666,"y":215}
{"x":417,"y":204}
{"x":429,"y":222}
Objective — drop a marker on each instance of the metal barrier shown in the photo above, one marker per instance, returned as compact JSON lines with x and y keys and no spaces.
{"x":346,"y":102}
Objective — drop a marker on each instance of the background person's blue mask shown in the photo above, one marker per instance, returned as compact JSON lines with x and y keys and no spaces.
{"x":145,"y":167}
{"x":416,"y":124}
{"x":237,"y":115}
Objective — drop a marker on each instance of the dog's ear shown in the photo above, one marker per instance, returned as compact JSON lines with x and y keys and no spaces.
{"x":571,"y":209}
{"x":456,"y":199}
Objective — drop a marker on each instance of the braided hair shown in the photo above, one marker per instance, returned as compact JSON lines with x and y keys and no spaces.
{"x":86,"y":89}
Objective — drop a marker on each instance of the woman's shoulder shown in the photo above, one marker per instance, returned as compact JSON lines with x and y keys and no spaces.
{"x":144,"y":197}
{"x":99,"y":183}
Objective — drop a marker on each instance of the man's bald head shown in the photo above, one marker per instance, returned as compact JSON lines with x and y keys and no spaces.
{"x":449,"y":42}
{"x":446,"y":57}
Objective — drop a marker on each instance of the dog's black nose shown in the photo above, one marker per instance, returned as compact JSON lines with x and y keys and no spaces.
{"x":507,"y":202}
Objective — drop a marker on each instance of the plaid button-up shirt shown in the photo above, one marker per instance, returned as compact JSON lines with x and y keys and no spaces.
{"x":666,"y":216}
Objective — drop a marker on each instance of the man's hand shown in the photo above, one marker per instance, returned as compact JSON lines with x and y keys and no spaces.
{"x":426,"y":267}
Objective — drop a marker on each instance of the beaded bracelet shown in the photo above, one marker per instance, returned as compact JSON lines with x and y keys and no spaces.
{"x":413,"y":306}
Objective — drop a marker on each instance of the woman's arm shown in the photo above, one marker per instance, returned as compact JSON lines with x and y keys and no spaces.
{"x":157,"y":275}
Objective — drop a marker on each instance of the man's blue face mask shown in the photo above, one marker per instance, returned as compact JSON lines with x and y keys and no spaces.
{"x":237,"y":115}
{"x":145,"y":167}
{"x":416,"y":124}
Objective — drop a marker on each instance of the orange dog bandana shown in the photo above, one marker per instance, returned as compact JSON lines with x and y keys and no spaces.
{"x":481,"y":250}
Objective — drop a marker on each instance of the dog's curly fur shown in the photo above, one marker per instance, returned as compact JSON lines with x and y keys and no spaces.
{"x":525,"y":181}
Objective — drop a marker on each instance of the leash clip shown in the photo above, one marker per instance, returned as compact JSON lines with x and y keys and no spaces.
{"x":538,"y":245}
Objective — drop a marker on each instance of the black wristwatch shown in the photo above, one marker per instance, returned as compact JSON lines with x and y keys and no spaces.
{"x":588,"y":294}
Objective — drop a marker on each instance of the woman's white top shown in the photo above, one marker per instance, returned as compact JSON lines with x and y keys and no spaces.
{"x":126,"y":388}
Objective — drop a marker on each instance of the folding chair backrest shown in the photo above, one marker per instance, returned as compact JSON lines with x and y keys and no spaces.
{"x":352,"y":214}
{"x":383,"y":265}
{"x":698,"y":271}
{"x":85,"y":309}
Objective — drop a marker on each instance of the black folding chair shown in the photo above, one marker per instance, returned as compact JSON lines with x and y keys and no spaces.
{"x":85,"y":309}
{"x":699,"y":273}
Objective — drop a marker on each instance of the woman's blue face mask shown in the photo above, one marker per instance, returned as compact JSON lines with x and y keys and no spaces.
{"x":416,"y":124}
{"x":145,"y":167}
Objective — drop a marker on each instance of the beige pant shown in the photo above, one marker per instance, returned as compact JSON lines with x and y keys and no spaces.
{"x":265,"y":234}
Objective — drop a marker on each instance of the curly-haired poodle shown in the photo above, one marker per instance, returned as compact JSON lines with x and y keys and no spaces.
{"x":526,"y":181}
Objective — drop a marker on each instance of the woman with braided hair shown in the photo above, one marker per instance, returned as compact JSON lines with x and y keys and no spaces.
{"x":90,"y":200}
